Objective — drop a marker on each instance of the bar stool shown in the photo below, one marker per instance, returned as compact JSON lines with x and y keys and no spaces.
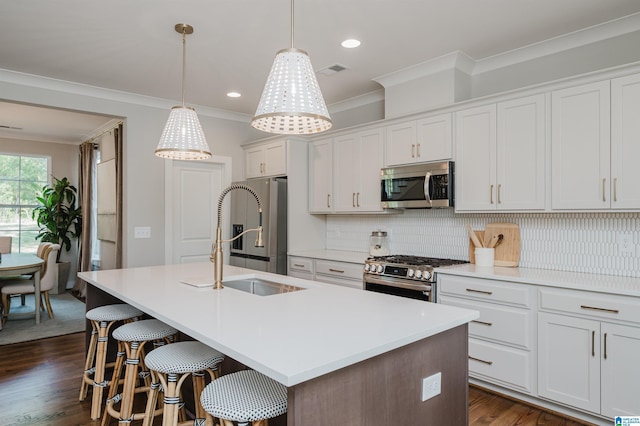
{"x":170,"y":365}
{"x":132,"y":338}
{"x":102,"y":318}
{"x":243,"y":397}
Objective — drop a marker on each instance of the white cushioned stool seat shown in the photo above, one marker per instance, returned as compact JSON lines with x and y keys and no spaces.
{"x":245,"y":396}
{"x":118,"y":312}
{"x":142,"y":331}
{"x":183,"y":357}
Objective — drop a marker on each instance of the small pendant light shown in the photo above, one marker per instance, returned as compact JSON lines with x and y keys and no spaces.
{"x":182,"y":137}
{"x":291,"y":101}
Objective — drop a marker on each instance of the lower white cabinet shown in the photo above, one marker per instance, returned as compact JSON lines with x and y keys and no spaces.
{"x":347,"y":274}
{"x":586,"y":360}
{"x":502,"y":339}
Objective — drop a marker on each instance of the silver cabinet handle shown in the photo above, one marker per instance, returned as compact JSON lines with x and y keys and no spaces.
{"x":413,"y":150}
{"x":336,"y":270}
{"x":418,"y":150}
{"x":491,"y":193}
{"x":481,"y":360}
{"x":615,"y":190}
{"x":470,"y":290}
{"x":499,"y":195}
{"x":593,"y":308}
{"x":488,"y":324}
{"x":605,"y":345}
{"x":604,"y":182}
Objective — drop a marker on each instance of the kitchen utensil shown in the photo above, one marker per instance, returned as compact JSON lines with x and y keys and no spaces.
{"x":495,"y":240}
{"x":508,"y":252}
{"x":474,"y":238}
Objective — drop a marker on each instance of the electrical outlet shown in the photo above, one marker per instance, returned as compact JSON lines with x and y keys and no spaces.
{"x":431,"y":386}
{"x":142,"y":232}
{"x":625,"y":243}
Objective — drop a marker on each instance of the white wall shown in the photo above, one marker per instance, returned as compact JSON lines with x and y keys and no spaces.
{"x":144,"y":120}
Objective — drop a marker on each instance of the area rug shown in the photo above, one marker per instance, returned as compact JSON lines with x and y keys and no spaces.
{"x":69,"y":317}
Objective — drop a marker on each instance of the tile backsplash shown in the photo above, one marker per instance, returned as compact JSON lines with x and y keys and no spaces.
{"x":578,"y":242}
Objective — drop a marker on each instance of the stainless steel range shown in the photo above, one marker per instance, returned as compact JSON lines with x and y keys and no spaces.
{"x":406,"y":276}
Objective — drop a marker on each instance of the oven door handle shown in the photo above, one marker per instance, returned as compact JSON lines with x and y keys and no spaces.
{"x":394,"y":282}
{"x":427,"y":179}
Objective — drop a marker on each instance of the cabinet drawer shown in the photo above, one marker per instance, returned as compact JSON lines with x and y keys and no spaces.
{"x":339,"y":269}
{"x":595,"y":305}
{"x":505,"y":366}
{"x":488,"y":290}
{"x":301,"y":264}
{"x":499,"y":323}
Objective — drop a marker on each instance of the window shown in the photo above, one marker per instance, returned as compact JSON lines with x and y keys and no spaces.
{"x":21,"y":180}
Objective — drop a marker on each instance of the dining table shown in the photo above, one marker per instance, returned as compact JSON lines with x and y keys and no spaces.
{"x":17,"y":264}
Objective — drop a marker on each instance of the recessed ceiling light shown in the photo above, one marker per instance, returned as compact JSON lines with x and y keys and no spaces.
{"x":351,"y":43}
{"x":234,"y":94}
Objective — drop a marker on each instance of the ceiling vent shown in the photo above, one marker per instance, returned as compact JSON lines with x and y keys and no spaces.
{"x":331,"y":70}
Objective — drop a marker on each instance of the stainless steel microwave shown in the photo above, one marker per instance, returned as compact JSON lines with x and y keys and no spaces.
{"x":418,"y":186}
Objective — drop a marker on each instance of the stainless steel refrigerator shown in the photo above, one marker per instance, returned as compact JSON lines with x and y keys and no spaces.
{"x":244,"y":215}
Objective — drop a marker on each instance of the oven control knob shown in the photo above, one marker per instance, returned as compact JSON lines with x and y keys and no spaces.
{"x":367,"y":267}
{"x":379,"y":268}
{"x":426,"y":275}
{"x":418,"y":274}
{"x":410,"y":273}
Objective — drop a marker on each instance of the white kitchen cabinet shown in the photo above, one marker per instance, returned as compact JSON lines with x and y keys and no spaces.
{"x":580,"y":147}
{"x":587,"y":358}
{"x":502,"y":339}
{"x":321,"y":176}
{"x":625,"y":145}
{"x":357,"y":160}
{"x":500,"y":156}
{"x":416,"y":141}
{"x":263,"y":160}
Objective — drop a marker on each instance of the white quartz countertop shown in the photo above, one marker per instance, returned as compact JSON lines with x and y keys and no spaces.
{"x":337,"y":255}
{"x":290,"y":337}
{"x":627,"y":286}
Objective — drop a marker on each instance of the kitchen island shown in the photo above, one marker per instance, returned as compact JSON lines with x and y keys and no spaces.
{"x":347,"y":356}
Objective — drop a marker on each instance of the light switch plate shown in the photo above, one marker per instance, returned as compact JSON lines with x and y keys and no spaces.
{"x":142,"y":232}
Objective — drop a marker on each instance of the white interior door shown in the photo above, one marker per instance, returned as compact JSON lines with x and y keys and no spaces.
{"x":191,"y":197}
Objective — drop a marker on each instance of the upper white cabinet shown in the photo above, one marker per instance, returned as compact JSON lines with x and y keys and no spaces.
{"x":580,"y":147}
{"x":321,"y":176}
{"x":264,"y":160}
{"x":427,"y":139}
{"x":625,"y":142}
{"x":358,"y":159}
{"x":500,"y":156}
{"x":344,"y":173}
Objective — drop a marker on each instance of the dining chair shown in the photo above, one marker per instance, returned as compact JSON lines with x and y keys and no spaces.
{"x":25,"y":285}
{"x":5,"y":244}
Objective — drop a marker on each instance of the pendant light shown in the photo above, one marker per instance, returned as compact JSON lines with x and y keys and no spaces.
{"x":182,"y":137}
{"x":291,"y":102}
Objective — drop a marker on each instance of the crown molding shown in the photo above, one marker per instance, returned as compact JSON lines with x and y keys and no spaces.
{"x":48,"y":83}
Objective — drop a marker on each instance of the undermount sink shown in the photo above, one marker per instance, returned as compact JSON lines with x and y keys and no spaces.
{"x":260,"y":287}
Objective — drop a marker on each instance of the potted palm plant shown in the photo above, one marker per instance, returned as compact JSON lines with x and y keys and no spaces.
{"x":60,"y":220}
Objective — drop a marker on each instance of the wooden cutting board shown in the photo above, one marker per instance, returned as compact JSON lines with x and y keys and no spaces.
{"x":508,"y":252}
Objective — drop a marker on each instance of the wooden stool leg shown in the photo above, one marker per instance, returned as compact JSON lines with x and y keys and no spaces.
{"x":98,"y":378}
{"x":88,"y":363}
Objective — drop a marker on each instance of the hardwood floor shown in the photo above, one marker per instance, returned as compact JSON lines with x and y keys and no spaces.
{"x":40,"y":380}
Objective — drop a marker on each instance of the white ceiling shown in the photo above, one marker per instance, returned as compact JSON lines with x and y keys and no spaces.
{"x":132,"y":46}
